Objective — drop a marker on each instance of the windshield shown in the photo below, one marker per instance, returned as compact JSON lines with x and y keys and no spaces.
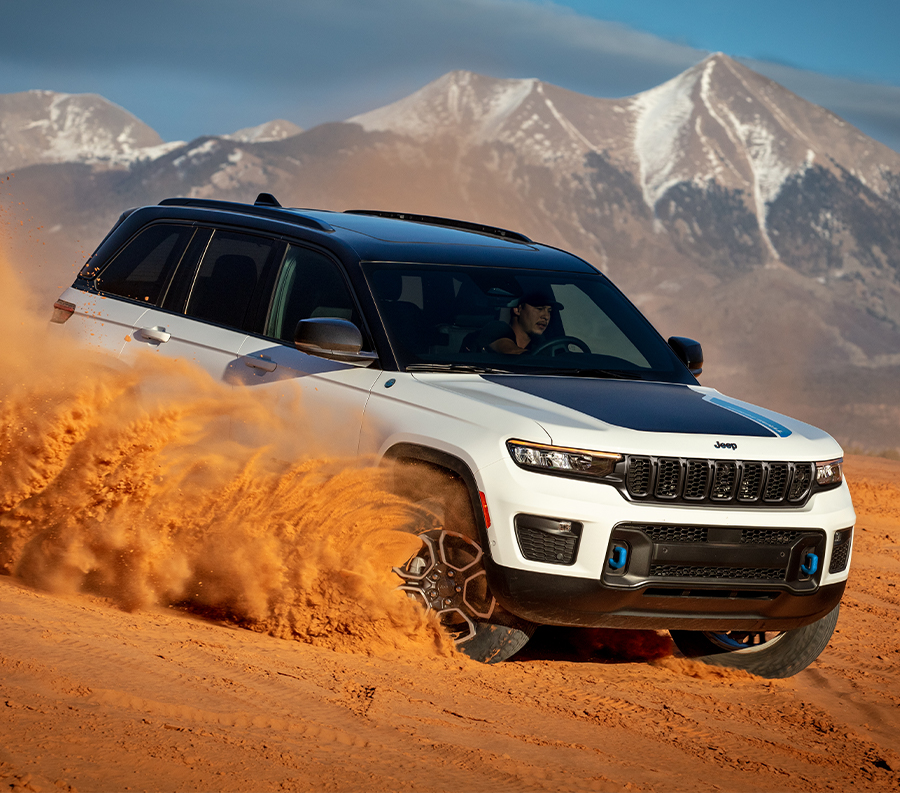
{"x":526,"y":321}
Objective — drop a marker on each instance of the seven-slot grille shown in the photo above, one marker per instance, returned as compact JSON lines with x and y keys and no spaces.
{"x":718,"y":481}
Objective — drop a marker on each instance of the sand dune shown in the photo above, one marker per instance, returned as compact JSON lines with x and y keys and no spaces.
{"x":95,"y":698}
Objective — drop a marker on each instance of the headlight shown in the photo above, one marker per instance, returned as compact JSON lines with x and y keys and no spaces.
{"x":830,"y":472}
{"x":561,"y":460}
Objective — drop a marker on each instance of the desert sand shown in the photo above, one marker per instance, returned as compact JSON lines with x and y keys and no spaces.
{"x":179,"y":612}
{"x":95,"y":698}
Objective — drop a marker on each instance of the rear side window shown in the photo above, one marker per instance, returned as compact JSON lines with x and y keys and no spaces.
{"x":309,"y":285}
{"x":229,"y":277}
{"x":141,"y":270}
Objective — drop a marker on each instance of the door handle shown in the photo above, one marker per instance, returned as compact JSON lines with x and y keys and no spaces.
{"x":262,"y":363}
{"x":157,"y":334}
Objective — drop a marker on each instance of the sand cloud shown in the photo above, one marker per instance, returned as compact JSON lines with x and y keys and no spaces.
{"x":123,"y":482}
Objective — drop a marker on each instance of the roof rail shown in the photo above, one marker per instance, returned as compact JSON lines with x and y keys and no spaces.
{"x":463,"y":225}
{"x":261,"y":210}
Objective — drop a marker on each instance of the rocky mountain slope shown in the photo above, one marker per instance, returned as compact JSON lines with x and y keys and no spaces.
{"x":45,"y":126}
{"x":279,"y":129}
{"x":727,"y":207}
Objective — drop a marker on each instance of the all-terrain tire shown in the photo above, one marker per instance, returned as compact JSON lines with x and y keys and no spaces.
{"x":784,"y":655}
{"x":448,"y":576}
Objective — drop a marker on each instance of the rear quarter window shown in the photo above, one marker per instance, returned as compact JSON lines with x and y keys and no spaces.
{"x":142,"y":269}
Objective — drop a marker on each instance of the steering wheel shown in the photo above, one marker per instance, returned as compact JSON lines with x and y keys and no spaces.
{"x":560,"y":343}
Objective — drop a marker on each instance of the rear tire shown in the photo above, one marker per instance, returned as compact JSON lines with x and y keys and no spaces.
{"x":771,"y":655}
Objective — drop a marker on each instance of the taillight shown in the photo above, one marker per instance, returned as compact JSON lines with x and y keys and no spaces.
{"x":62,"y":310}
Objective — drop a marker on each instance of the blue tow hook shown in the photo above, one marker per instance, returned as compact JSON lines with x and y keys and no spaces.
{"x":810,"y":564}
{"x":619,"y":557}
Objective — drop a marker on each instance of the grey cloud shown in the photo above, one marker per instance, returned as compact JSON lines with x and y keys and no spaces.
{"x":309,"y":58}
{"x":874,"y":109}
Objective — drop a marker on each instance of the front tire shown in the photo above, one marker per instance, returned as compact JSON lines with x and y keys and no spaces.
{"x":447,"y":574}
{"x":771,"y":655}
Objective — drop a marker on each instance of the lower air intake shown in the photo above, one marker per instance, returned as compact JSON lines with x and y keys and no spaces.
{"x":547,"y":540}
{"x":717,"y":573}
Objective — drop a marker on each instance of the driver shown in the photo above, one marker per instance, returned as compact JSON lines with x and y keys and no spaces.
{"x":530,"y":318}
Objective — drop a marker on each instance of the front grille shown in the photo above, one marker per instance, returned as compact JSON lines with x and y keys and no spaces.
{"x":776,"y":481}
{"x":696,"y":480}
{"x":751,"y":481}
{"x":640,"y":469}
{"x":717,"y":573}
{"x":801,"y":482}
{"x":700,"y":481}
{"x":668,"y":478}
{"x":725,"y":477}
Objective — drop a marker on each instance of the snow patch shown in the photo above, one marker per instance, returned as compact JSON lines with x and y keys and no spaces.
{"x":567,"y":125}
{"x":198,"y":152}
{"x":450,"y":102}
{"x":279,"y":129}
{"x":662,"y":121}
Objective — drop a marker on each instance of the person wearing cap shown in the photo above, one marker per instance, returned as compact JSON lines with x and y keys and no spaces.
{"x":530,"y":318}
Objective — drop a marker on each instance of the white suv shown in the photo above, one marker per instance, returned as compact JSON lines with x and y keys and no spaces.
{"x":569,"y":468}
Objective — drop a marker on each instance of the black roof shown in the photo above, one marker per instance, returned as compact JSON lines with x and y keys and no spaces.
{"x":374,"y":235}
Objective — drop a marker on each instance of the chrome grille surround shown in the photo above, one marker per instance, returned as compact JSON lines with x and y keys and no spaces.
{"x":714,"y":482}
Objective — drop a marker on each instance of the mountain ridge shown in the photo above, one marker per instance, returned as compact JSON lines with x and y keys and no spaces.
{"x":48,"y":126}
{"x":725,"y":206}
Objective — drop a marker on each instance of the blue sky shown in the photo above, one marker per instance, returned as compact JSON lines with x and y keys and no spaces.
{"x":194,"y":67}
{"x":838,"y":38}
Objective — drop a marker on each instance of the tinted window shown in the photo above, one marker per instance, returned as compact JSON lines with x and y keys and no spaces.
{"x":443,"y":317}
{"x":228,"y":277}
{"x":142,"y":269}
{"x":309,"y":285}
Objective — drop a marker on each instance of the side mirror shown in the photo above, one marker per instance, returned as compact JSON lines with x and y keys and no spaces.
{"x":332,"y":338}
{"x":689,"y":352}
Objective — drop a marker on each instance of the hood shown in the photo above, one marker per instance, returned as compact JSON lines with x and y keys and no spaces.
{"x":647,"y":417}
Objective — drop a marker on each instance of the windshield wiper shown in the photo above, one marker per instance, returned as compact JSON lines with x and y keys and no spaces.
{"x":617,"y":374}
{"x":456,"y":367}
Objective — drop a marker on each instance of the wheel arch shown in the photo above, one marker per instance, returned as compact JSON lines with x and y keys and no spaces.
{"x":452,"y":465}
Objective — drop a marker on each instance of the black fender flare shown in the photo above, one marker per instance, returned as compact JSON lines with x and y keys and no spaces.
{"x":454,"y":465}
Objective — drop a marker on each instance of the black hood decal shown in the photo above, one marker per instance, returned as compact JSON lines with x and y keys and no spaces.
{"x":641,"y":405}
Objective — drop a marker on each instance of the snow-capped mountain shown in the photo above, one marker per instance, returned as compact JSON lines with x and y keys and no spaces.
{"x":45,"y":126}
{"x":279,"y":129}
{"x":727,"y":207}
{"x":718,"y":127}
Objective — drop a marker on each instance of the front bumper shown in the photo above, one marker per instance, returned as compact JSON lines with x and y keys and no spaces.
{"x":553,"y":599}
{"x":681,"y":567}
